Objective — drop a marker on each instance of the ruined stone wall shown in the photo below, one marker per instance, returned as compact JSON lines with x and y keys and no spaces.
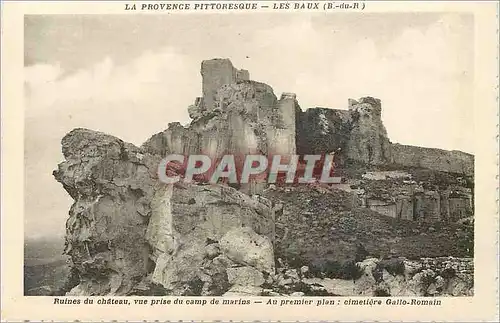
{"x":406,"y":199}
{"x":357,"y":134}
{"x":322,"y":130}
{"x":437,"y":159}
{"x":368,"y":141}
{"x":281,"y":134}
{"x":215,"y":73}
{"x":427,"y":206}
{"x":459,"y":208}
{"x":235,"y":116}
{"x":382,"y":207}
{"x":404,"y":207}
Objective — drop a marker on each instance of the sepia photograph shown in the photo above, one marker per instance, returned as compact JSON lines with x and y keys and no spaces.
{"x":258,"y":155}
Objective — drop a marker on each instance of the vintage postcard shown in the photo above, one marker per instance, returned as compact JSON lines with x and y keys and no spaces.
{"x":249,"y":161}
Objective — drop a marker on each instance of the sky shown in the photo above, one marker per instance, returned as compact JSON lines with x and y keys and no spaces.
{"x":130,"y":75}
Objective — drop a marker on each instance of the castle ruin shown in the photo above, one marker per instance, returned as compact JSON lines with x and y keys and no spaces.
{"x":240,"y":116}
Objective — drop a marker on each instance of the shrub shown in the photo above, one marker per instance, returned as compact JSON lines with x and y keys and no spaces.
{"x":448,"y":273}
{"x":361,"y":253}
{"x":219,"y":285}
{"x":466,"y":241}
{"x":393,"y":266}
{"x":334,"y":269}
{"x":350,"y":270}
{"x":379,"y":292}
{"x":194,"y":287}
{"x":427,"y":280}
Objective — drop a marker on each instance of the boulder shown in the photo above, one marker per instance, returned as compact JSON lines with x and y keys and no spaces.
{"x":367,"y":283}
{"x":246,"y":276}
{"x":247,"y":290}
{"x":125,"y":224}
{"x":245,"y":247}
{"x":340,"y":287}
{"x":212,"y":250}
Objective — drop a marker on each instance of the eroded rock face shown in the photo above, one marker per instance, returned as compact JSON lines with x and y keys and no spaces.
{"x":244,"y":117}
{"x":201,"y":217}
{"x":368,"y":141}
{"x":235,"y":116}
{"x":245,"y":276}
{"x":432,"y":158}
{"x":239,"y":116}
{"x":112,"y":183}
{"x":357,"y":134}
{"x":126,"y":225}
{"x":218,"y":72}
{"x":445,"y":198}
{"x":244,"y":246}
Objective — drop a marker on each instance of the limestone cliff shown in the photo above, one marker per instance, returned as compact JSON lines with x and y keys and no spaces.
{"x":129,"y":233}
{"x":240,"y":116}
{"x":432,"y":158}
{"x":368,"y":141}
{"x":243,"y":117}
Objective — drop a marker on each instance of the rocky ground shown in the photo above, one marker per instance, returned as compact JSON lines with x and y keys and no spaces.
{"x":321,"y":223}
{"x":446,"y":276}
{"x":326,"y":244}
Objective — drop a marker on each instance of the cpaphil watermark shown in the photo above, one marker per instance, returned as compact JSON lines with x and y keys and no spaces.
{"x":235,"y":169}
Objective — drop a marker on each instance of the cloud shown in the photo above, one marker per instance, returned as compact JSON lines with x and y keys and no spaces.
{"x":161,"y":78}
{"x":131,"y":101}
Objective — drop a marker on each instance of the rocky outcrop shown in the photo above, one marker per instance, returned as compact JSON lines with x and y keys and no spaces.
{"x":356,"y":134}
{"x":239,"y":116}
{"x":368,"y":141}
{"x":331,"y":229}
{"x":130,"y":234}
{"x":244,"y":246}
{"x":437,"y":159}
{"x":126,"y":227}
{"x":112,"y":185}
{"x":245,"y":276}
{"x":445,"y":276}
{"x":437,"y":277}
{"x":243,"y":117}
{"x":322,"y":130}
{"x":448,"y":198}
{"x":216,"y":73}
